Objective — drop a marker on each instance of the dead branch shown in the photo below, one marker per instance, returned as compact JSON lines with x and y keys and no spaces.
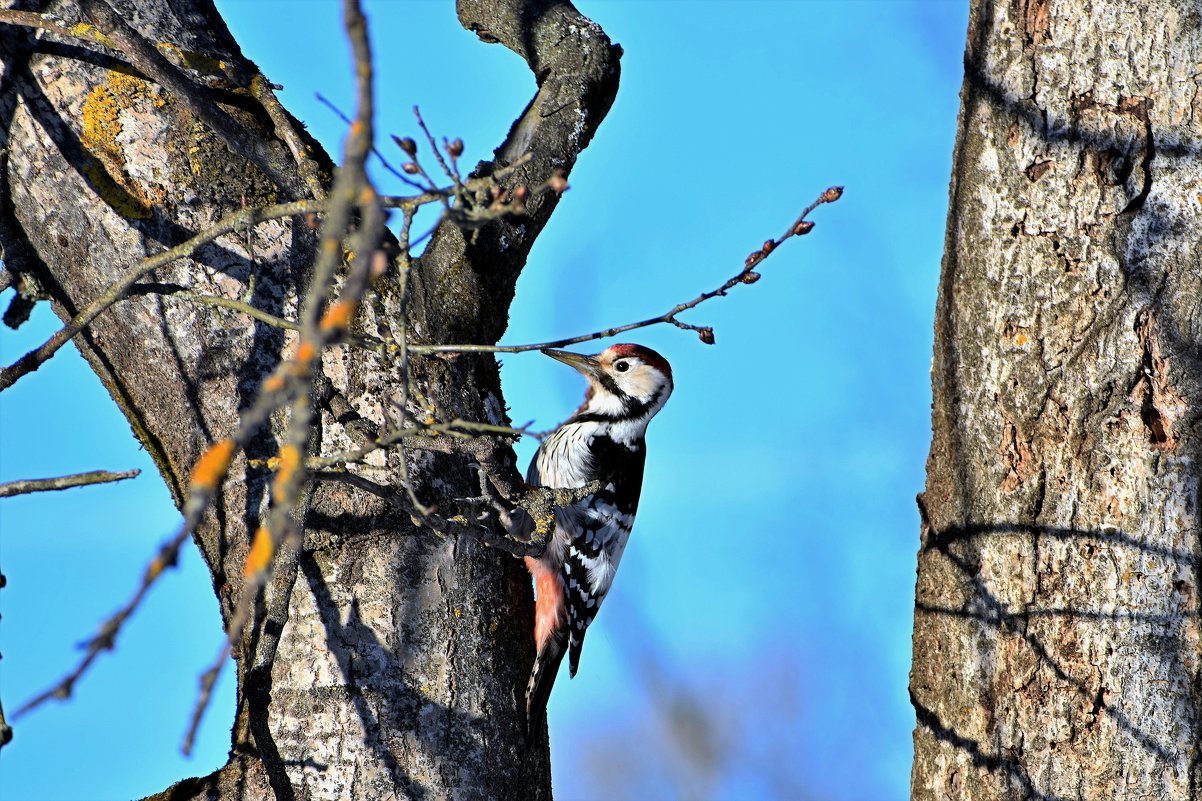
{"x":25,"y":486}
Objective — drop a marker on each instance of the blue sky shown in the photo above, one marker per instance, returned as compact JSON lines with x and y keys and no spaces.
{"x":765,"y":602}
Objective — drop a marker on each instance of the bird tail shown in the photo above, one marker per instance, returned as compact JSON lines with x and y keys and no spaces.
{"x":542,"y":677}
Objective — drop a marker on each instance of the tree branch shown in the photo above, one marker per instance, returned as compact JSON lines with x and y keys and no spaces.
{"x":246,"y":217}
{"x":25,"y":486}
{"x":747,"y":275}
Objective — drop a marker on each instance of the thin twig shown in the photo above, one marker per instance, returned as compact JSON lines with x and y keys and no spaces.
{"x":384,"y":162}
{"x":106,"y":638}
{"x":260,"y":88}
{"x":539,"y":503}
{"x":438,"y":155}
{"x":422,"y":435}
{"x":178,"y":292}
{"x":207,"y":680}
{"x":38,"y":356}
{"x":207,"y":475}
{"x":83,"y":32}
{"x":6,"y":731}
{"x":745,"y":276}
{"x":28,"y":485}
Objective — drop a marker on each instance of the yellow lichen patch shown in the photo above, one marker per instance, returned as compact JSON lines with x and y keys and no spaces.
{"x":261,"y":550}
{"x":101,"y":128}
{"x":197,"y":62}
{"x":457,"y":612}
{"x":272,"y":463}
{"x":338,"y":316}
{"x":92,"y":33}
{"x":212,"y":466}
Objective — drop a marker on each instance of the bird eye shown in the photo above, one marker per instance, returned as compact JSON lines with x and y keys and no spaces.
{"x":621,"y":367}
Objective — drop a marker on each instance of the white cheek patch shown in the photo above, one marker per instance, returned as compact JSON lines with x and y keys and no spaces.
{"x":639,"y":383}
{"x":605,"y":404}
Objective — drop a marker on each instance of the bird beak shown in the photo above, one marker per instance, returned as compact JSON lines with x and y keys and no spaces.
{"x":587,"y":365}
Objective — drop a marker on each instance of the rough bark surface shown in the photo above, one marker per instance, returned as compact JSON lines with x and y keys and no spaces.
{"x":1056,"y":635}
{"x":402,"y":657}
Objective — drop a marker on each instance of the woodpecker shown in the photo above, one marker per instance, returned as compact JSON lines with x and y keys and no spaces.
{"x":602,"y":441}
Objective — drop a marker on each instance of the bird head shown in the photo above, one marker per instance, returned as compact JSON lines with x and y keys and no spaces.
{"x":626,"y":382}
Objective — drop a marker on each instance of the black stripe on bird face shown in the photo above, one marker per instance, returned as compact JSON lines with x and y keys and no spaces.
{"x":632,"y":408}
{"x":611,"y":386}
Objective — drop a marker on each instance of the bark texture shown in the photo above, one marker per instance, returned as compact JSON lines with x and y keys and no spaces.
{"x":1056,"y":633}
{"x":401,"y":657}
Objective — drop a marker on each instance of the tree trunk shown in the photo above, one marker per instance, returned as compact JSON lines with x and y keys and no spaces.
{"x":401,"y":657}
{"x":1056,"y":639}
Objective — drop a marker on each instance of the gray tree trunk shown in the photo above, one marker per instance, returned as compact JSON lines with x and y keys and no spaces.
{"x":401,"y":657}
{"x":1056,"y":630}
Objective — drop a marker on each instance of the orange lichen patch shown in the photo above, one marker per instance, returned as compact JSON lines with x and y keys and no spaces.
{"x":101,"y":128}
{"x":211,"y":467}
{"x":305,"y":353}
{"x":1015,"y":334}
{"x":338,"y":317}
{"x":156,"y":566}
{"x":289,"y":461}
{"x":262,"y":548}
{"x":274,"y":383}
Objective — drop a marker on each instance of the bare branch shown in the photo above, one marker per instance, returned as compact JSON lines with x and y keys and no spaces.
{"x":6,"y":731}
{"x":384,"y":162}
{"x":105,"y":639}
{"x":207,"y":681}
{"x":25,"y":486}
{"x":747,"y":275}
{"x":261,"y":89}
{"x":30,"y":19}
{"x":38,"y":356}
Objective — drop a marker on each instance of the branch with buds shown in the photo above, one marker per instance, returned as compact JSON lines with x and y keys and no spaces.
{"x":800,"y":227}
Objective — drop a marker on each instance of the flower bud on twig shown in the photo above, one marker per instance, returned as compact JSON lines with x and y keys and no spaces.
{"x":706,"y":335}
{"x":455,"y":148}
{"x":802,"y":228}
{"x":832,"y":194}
{"x":406,"y":144}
